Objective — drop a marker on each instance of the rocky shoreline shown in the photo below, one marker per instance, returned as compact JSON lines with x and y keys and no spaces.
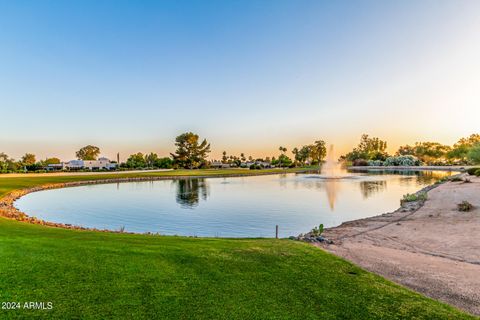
{"x":330,"y":236}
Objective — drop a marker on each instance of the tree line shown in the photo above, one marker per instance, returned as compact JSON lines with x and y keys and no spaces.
{"x":191,"y":152}
{"x":373,"y":150}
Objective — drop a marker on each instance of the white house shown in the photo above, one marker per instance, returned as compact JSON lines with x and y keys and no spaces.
{"x":100,"y":164}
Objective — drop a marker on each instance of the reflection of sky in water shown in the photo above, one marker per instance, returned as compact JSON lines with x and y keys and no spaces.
{"x":228,"y":207}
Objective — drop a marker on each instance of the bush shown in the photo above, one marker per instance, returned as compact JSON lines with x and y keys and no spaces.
{"x":464,"y":206}
{"x":317,"y":231}
{"x":420,"y":196}
{"x":471,"y":171}
{"x":375,"y":163}
{"x":404,"y":161}
{"x":477,"y":172}
{"x":360,"y":163}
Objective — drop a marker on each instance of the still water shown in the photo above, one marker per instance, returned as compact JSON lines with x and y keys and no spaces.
{"x":228,"y":207}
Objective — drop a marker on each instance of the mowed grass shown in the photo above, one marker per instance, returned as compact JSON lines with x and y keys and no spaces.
{"x":94,"y":275}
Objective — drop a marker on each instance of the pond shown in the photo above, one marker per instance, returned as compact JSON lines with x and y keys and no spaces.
{"x":228,"y":207}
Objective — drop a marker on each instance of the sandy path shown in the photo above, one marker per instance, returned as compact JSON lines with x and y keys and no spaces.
{"x":434,"y":250}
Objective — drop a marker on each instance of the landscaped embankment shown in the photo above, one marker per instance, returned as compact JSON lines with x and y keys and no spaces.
{"x":432,"y":248}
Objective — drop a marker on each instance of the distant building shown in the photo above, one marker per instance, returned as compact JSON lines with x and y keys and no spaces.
{"x":100,"y":164}
{"x":219,"y":165}
{"x":263,"y":164}
{"x":74,"y":165}
{"x":55,"y":167}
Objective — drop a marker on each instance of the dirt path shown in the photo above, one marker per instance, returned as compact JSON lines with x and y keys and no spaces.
{"x":434,"y":250}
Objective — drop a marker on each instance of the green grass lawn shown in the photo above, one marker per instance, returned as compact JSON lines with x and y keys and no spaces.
{"x":94,"y":275}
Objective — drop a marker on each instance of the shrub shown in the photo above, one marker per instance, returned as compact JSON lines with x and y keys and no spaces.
{"x":420,"y":196}
{"x":317,"y":231}
{"x":477,"y":173}
{"x":464,"y":206}
{"x":471,"y":171}
{"x":405,"y":161}
{"x":360,"y":163}
{"x":375,"y":163}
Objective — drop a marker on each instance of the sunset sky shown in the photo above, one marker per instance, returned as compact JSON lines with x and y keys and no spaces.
{"x":249,"y":76}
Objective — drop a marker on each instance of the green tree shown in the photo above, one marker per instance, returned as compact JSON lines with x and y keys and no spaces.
{"x":88,"y":153}
{"x":164,"y":163}
{"x":51,"y":161}
{"x":136,"y":160}
{"x":282,"y":161}
{"x":473,"y":154}
{"x":405,"y":150}
{"x":3,"y":162}
{"x":461,"y":149}
{"x":305,"y":154}
{"x":368,"y":149}
{"x":295,"y":154}
{"x":429,"y":152}
{"x":318,"y":151}
{"x":7,"y":164}
{"x":190,"y":153}
{"x":28,"y":159}
{"x":224,"y":157}
{"x":151,"y":159}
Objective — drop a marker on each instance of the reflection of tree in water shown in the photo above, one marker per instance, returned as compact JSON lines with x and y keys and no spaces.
{"x":190,"y":191}
{"x":420,"y":178}
{"x":411,"y":177}
{"x":369,"y":188}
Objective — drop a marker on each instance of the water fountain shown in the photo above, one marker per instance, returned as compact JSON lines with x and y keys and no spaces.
{"x":331,"y":169}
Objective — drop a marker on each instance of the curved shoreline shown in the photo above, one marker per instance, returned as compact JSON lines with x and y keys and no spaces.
{"x":9,"y":211}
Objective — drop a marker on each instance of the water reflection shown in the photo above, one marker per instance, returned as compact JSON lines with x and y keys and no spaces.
{"x":369,"y":188}
{"x":332,"y":189}
{"x":236,"y":207}
{"x":190,"y":191}
{"x":369,"y":183}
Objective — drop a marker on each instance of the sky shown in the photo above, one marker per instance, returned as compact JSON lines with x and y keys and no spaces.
{"x":129,"y":76}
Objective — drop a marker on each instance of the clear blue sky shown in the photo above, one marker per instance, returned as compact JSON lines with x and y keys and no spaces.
{"x":129,"y":76}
